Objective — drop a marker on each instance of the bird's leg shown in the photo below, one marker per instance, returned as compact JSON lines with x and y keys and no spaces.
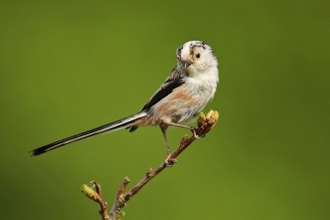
{"x":183,"y":126}
{"x":168,"y":161}
{"x":164,"y":127}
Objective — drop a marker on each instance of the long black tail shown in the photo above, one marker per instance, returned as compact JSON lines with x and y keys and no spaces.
{"x":107,"y":128}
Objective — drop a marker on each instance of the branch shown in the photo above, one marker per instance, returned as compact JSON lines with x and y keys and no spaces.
{"x":205,"y":124}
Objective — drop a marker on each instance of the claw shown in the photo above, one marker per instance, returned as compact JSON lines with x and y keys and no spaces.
{"x":194,"y":134}
{"x":169,"y":162}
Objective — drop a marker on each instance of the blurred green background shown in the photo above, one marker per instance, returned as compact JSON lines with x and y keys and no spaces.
{"x":68,"y":66}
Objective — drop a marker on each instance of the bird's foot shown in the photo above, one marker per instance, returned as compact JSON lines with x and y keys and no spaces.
{"x":169,"y":161}
{"x":196,"y":136}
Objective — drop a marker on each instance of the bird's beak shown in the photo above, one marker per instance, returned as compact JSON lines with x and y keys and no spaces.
{"x":186,"y":64}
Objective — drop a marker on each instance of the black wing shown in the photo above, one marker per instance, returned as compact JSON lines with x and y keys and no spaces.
{"x":173,"y":81}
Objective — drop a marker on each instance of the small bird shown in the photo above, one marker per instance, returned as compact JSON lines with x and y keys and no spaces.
{"x":189,"y":87}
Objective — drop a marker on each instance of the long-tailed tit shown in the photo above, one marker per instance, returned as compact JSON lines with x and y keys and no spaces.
{"x":189,"y":87}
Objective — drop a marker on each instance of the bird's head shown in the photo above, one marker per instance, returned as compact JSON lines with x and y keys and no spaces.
{"x":196,"y":57}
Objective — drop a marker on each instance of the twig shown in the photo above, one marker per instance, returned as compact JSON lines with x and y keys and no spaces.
{"x":96,"y":196}
{"x":205,"y":124}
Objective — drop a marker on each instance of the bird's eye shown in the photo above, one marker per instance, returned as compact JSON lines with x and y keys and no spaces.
{"x":198,"y":55}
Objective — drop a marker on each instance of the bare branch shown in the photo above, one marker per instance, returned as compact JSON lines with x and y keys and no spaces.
{"x":205,"y":124}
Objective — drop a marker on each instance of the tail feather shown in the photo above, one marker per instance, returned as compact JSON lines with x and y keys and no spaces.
{"x":107,"y":128}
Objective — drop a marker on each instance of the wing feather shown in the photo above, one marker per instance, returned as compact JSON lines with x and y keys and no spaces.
{"x":173,"y":81}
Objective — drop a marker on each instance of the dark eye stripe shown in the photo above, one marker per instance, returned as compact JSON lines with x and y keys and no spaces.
{"x":198,"y":44}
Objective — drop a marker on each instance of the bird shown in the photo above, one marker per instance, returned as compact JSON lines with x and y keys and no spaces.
{"x":190,"y":86}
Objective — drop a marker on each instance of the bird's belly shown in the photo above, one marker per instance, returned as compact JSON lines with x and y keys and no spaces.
{"x":180,"y":106}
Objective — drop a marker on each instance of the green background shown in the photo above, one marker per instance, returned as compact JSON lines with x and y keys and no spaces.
{"x":68,"y":66}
